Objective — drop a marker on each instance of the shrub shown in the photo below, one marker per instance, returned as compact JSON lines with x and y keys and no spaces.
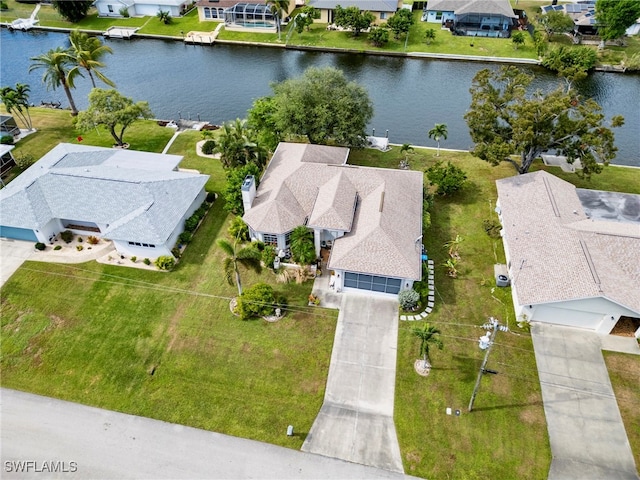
{"x":134,"y":259}
{"x":6,"y":140}
{"x":408,"y":299}
{"x":208,"y":147}
{"x":66,"y":236}
{"x":165,"y":262}
{"x":268,"y":255}
{"x":492,"y":227}
{"x":211,"y":197}
{"x":448,"y":178}
{"x":124,"y":11}
{"x":79,"y":239}
{"x":146,"y":261}
{"x":40,"y":246}
{"x":256,"y":301}
{"x":185,"y":237}
{"x":79,"y":248}
{"x":175,"y":251}
{"x":191,"y":223}
{"x":93,"y":240}
{"x":4,"y":6}
{"x":58,"y":247}
{"x":24,"y":160}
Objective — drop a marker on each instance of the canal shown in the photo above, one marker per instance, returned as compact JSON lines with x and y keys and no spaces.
{"x":218,"y":83}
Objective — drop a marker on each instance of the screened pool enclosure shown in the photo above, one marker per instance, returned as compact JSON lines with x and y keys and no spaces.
{"x":250,"y":15}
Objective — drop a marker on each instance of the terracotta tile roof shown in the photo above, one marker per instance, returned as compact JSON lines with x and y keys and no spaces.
{"x":557,"y":253}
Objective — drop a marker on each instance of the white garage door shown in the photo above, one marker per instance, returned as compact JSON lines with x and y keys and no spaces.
{"x":565,"y":316}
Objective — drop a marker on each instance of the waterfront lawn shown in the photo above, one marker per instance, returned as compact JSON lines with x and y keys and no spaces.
{"x":623,"y":372}
{"x":179,"y":25}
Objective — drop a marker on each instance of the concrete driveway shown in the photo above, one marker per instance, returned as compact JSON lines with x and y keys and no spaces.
{"x":105,"y":444}
{"x":13,"y":253}
{"x":587,"y":436}
{"x":355,"y":422}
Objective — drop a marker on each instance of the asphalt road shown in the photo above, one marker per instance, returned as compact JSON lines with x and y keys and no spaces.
{"x":86,"y":442}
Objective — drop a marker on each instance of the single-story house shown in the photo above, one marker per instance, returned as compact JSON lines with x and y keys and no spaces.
{"x":8,"y":126}
{"x":141,"y":8}
{"x":7,"y":162}
{"x":381,"y":9}
{"x":139,"y":200}
{"x":369,"y":218}
{"x":582,"y":13}
{"x":481,"y":18}
{"x":573,"y":255}
{"x":214,"y":10}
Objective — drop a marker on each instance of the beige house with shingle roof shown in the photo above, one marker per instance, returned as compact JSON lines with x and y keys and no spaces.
{"x":573,"y":254}
{"x":370,"y":218}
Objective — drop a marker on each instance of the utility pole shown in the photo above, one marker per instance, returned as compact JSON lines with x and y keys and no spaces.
{"x":485,"y":343}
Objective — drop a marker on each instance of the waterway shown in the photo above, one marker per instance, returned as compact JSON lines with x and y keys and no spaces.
{"x":219,"y":83}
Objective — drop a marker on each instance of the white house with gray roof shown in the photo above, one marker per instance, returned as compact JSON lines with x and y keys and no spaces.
{"x":370,"y":218}
{"x":573,"y":254}
{"x":478,"y":18}
{"x":381,"y":9}
{"x":136,"y":199}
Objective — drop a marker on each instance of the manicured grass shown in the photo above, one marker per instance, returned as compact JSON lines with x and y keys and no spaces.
{"x":623,"y":373}
{"x":178,"y":24}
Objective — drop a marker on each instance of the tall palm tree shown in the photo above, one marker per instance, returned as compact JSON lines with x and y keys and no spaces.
{"x":247,"y":256}
{"x":427,"y":335}
{"x":87,"y":52}
{"x":438,"y":132}
{"x":16,"y":101}
{"x":58,"y":71}
{"x":277,"y":7}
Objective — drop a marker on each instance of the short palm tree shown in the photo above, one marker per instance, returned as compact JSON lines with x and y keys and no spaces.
{"x":87,"y":52}
{"x":277,"y":7}
{"x":237,"y":147}
{"x":427,"y":335}
{"x":247,"y":256}
{"x":406,"y":148}
{"x":58,"y":72}
{"x":438,"y":132}
{"x":302,"y":246}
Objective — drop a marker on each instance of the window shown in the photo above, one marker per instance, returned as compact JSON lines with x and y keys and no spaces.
{"x":287,"y":239}
{"x":270,"y":239}
{"x":207,"y":12}
{"x":383,"y":15}
{"x":438,"y":15}
{"x":110,"y":7}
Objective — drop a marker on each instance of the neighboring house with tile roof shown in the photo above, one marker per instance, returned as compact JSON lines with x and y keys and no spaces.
{"x":573,"y":254}
{"x":136,"y":199}
{"x":371,"y":218}
{"x":381,"y":9}
{"x":478,"y":18}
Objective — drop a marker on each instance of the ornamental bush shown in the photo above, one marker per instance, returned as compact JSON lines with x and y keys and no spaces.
{"x":268,"y":255}
{"x":58,"y":247}
{"x":92,"y":240}
{"x":208,"y":147}
{"x":66,"y":236}
{"x":256,"y":301}
{"x":165,"y":262}
{"x":185,"y":237}
{"x":40,"y":246}
{"x":408,"y":299}
{"x":6,"y":140}
{"x":447,"y":178}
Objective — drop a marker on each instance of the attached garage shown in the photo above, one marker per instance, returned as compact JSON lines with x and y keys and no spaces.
{"x":18,"y":234}
{"x":373,"y":283}
{"x":565,"y":316}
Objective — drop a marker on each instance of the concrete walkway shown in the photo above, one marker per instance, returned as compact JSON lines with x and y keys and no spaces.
{"x":588,"y":438}
{"x":105,"y":444}
{"x":355,"y":422}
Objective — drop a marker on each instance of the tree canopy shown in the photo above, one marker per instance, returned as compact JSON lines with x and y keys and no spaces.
{"x":73,"y":10}
{"x":615,"y":16}
{"x":238,"y":145}
{"x":112,"y":110}
{"x":556,"y":22}
{"x":353,"y":18}
{"x":400,"y":22}
{"x":232,"y":192}
{"x":16,"y":101}
{"x":321,"y":105}
{"x":571,"y":63}
{"x":505,"y":120}
{"x":87,"y":53}
{"x":58,"y":69}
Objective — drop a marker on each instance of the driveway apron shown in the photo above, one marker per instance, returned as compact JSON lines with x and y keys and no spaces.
{"x":587,"y":436}
{"x":355,"y":422}
{"x":13,"y":253}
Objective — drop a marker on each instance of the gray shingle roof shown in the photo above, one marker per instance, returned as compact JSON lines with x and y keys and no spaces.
{"x":137,"y":194}
{"x":383,"y":228}
{"x":558,"y":253}
{"x":365,"y":5}
{"x":460,"y":7}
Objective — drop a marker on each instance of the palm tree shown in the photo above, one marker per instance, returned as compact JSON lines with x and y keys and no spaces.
{"x":406,"y":148}
{"x":58,"y":71}
{"x":247,"y":256}
{"x":427,"y":335}
{"x":453,"y":246}
{"x":437,"y":132}
{"x":87,"y":52}
{"x":277,"y":7}
{"x":16,"y":101}
{"x":237,"y":147}
{"x":302,"y":246}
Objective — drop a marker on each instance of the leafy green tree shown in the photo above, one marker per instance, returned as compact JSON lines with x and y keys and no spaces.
{"x":248,"y":257}
{"x":262,"y":121}
{"x":447,"y":178}
{"x":504,"y":120}
{"x":353,"y":18}
{"x":58,"y":72}
{"x":437,"y":132}
{"x":164,"y":16}
{"x":571,"y":63}
{"x":237,"y":145}
{"x":323,"y":106}
{"x":114,"y":111}
{"x":87,"y":52}
{"x":615,"y":16}
{"x":554,"y":22}
{"x":73,"y":10}
{"x":258,"y":300}
{"x":232,"y":194}
{"x":430,"y":35}
{"x":518,"y":39}
{"x":303,"y":249}
{"x":16,"y":101}
{"x":279,"y":9}
{"x":400,"y":22}
{"x":539,"y":42}
{"x":428,"y":336}
{"x":305,"y":18}
{"x":378,"y":36}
